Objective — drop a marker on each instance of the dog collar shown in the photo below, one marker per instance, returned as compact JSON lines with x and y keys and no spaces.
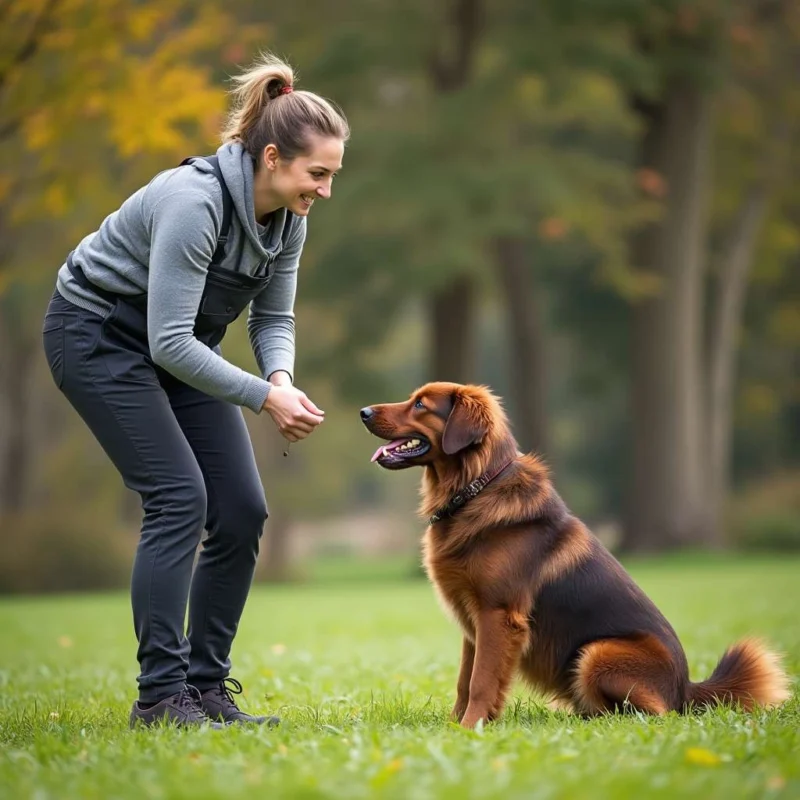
{"x":470,"y":491}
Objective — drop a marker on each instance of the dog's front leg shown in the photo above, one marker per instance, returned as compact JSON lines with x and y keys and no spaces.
{"x":464,"y":677}
{"x":501,"y":635}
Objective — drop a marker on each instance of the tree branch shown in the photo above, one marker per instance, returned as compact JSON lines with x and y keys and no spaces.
{"x":9,"y":129}
{"x":31,"y":43}
{"x":5,"y":6}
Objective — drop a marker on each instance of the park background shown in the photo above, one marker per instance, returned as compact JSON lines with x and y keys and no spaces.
{"x":591,"y":207}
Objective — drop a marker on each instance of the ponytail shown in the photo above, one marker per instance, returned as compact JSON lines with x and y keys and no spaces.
{"x":266,"y":109}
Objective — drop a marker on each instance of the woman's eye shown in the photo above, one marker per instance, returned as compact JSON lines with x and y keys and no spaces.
{"x":419,"y":405}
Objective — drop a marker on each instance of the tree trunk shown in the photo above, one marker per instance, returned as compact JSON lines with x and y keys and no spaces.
{"x":526,"y":338}
{"x":275,"y":545}
{"x":16,"y":369}
{"x":452,"y":308}
{"x":452,"y":315}
{"x":726,"y":317}
{"x":277,"y":566}
{"x":666,"y":504}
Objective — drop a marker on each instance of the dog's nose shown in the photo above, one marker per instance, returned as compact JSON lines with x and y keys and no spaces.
{"x":366,"y":413}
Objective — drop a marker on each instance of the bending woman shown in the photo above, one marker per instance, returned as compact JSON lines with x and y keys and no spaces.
{"x":132,"y":337}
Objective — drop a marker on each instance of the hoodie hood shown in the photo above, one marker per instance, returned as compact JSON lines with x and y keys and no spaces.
{"x":237,"y":169}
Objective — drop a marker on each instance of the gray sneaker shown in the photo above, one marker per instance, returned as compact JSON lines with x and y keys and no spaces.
{"x":182,"y":710}
{"x":218,"y":704}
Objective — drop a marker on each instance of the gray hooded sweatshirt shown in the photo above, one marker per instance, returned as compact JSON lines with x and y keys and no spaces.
{"x":161,"y":241}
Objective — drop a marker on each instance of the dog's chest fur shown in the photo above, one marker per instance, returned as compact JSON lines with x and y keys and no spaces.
{"x":451,"y":580}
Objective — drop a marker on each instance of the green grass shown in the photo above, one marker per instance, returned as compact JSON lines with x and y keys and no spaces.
{"x":363,"y":675}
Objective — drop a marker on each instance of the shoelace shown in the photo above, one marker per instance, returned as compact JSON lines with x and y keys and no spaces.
{"x":230,"y":687}
{"x":190,"y":700}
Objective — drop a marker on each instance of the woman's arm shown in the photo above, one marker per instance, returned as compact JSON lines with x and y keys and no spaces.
{"x":185,"y":226}
{"x":271,"y":320}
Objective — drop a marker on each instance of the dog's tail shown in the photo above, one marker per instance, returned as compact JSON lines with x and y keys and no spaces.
{"x":748,"y":675}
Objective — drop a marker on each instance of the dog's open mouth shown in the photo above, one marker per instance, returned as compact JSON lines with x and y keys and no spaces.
{"x":400,"y":450}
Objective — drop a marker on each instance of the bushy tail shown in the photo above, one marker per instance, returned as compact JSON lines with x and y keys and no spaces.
{"x":748,"y":675}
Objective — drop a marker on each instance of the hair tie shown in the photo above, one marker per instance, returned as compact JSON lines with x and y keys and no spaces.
{"x":286,"y":89}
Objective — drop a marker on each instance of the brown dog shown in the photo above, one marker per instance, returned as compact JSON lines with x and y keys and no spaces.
{"x":532,"y":589}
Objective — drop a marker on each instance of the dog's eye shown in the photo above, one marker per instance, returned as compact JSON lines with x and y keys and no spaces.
{"x":419,"y":405}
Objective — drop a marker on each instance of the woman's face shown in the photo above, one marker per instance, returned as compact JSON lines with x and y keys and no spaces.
{"x":296,"y":184}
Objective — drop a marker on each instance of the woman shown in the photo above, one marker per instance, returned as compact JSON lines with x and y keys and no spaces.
{"x":132,"y":338}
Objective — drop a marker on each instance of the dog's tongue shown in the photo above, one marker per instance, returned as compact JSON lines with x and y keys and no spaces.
{"x":389,"y":446}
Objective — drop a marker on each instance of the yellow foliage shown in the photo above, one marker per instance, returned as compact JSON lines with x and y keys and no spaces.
{"x":39,"y":130}
{"x":137,"y":76}
{"x":145,"y":21}
{"x":94,"y":104}
{"x":530,"y":89}
{"x":5,"y":186}
{"x":54,"y":200}
{"x":597,"y":90}
{"x":758,"y":400}
{"x":785,"y":324}
{"x":786,"y":237}
{"x":149,"y":114}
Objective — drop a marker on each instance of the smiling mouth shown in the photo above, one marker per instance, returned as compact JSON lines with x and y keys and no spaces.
{"x":399,"y":450}
{"x":307,"y":201}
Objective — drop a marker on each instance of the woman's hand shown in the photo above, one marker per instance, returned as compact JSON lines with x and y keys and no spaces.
{"x":294,"y":414}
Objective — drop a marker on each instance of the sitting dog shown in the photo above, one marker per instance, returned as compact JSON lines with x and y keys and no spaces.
{"x":531,"y":588}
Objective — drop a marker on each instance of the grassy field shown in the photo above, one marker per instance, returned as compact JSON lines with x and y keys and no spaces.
{"x":363,"y":676}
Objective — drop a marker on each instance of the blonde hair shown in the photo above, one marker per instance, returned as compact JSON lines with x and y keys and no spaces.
{"x":267,"y":109}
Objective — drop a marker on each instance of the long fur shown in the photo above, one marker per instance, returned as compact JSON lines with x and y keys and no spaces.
{"x":534,"y":591}
{"x":748,"y":674}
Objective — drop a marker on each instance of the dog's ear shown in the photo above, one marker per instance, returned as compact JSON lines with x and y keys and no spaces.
{"x":466,"y":425}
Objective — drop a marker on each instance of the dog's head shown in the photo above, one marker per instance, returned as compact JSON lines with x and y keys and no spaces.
{"x":440,"y":421}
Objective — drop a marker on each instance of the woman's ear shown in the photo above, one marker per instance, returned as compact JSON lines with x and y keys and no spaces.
{"x":269,"y":157}
{"x":466,"y":425}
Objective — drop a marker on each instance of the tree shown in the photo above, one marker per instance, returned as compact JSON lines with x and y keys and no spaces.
{"x":756,"y":172}
{"x":681,"y":421}
{"x":127,"y":75}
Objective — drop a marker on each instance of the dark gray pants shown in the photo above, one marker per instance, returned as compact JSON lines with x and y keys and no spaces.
{"x":190,"y":458}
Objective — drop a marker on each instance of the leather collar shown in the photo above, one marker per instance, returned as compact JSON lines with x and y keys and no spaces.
{"x":469,"y":492}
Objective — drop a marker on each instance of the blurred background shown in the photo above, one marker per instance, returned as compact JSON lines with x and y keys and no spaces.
{"x":593,"y":207}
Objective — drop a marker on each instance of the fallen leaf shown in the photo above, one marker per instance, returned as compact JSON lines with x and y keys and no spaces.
{"x":702,"y":757}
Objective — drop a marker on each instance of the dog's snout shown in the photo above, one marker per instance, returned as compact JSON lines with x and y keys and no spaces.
{"x":366,"y":413}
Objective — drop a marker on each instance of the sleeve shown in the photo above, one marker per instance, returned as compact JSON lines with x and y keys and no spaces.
{"x":271,"y":320}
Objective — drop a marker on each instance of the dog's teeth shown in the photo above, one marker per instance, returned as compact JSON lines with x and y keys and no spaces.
{"x":413,"y":443}
{"x":386,"y":451}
